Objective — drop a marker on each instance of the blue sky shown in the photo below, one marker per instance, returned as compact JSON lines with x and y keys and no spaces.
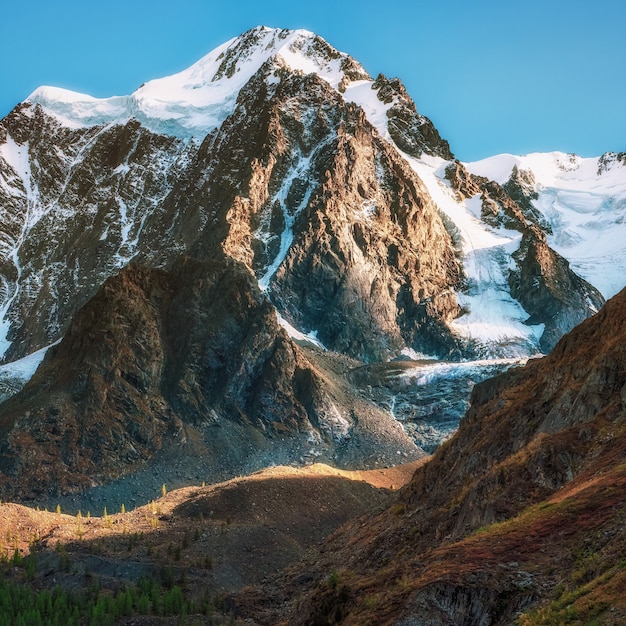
{"x":494,"y":76}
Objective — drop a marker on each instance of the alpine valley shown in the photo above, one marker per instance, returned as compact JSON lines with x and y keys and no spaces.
{"x":273,"y":259}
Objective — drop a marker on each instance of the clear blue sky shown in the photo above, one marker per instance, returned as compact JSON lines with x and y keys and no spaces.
{"x":494,"y":76}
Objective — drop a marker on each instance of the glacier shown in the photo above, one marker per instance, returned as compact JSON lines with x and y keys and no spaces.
{"x":584,"y":202}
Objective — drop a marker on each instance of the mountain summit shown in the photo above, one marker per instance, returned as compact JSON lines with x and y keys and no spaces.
{"x":197,"y":100}
{"x":208,"y":259}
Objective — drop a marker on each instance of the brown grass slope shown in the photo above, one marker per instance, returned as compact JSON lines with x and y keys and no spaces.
{"x":520,"y":517}
{"x":207,"y":540}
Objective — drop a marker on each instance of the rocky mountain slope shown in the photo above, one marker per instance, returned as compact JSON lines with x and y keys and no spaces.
{"x":517,"y":519}
{"x":173,"y":243}
{"x":190,"y":354}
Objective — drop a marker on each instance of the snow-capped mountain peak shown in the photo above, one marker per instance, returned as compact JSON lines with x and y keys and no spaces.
{"x":198,"y":100}
{"x":165,"y":238}
{"x":194,"y":101}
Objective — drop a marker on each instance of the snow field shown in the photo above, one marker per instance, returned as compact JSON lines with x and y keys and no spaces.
{"x":584,"y":200}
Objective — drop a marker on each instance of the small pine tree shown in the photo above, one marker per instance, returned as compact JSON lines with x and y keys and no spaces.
{"x":17,"y":558}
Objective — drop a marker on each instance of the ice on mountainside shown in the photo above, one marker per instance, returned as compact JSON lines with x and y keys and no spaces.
{"x":310,"y":337}
{"x":584,"y":202}
{"x":494,"y":318}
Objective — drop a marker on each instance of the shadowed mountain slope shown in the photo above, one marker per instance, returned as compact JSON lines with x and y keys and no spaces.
{"x":160,"y":355}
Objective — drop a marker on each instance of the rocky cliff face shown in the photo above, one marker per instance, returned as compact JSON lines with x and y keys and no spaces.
{"x":550,"y":291}
{"x":160,"y":354}
{"x":412,"y":133}
{"x":75,"y":214}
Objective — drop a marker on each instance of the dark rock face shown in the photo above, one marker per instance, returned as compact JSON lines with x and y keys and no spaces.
{"x":492,"y":602}
{"x":550,"y":291}
{"x":156,"y":351}
{"x":228,"y":356}
{"x":94,"y":405}
{"x":609,"y":158}
{"x":412,"y":133}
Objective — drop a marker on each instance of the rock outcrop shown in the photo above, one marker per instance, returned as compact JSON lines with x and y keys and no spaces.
{"x":413,"y":133}
{"x":159,"y":354}
{"x":549,"y":290}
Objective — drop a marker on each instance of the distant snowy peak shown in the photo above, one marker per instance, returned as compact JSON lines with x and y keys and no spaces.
{"x":551,"y":168}
{"x":198,"y":99}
